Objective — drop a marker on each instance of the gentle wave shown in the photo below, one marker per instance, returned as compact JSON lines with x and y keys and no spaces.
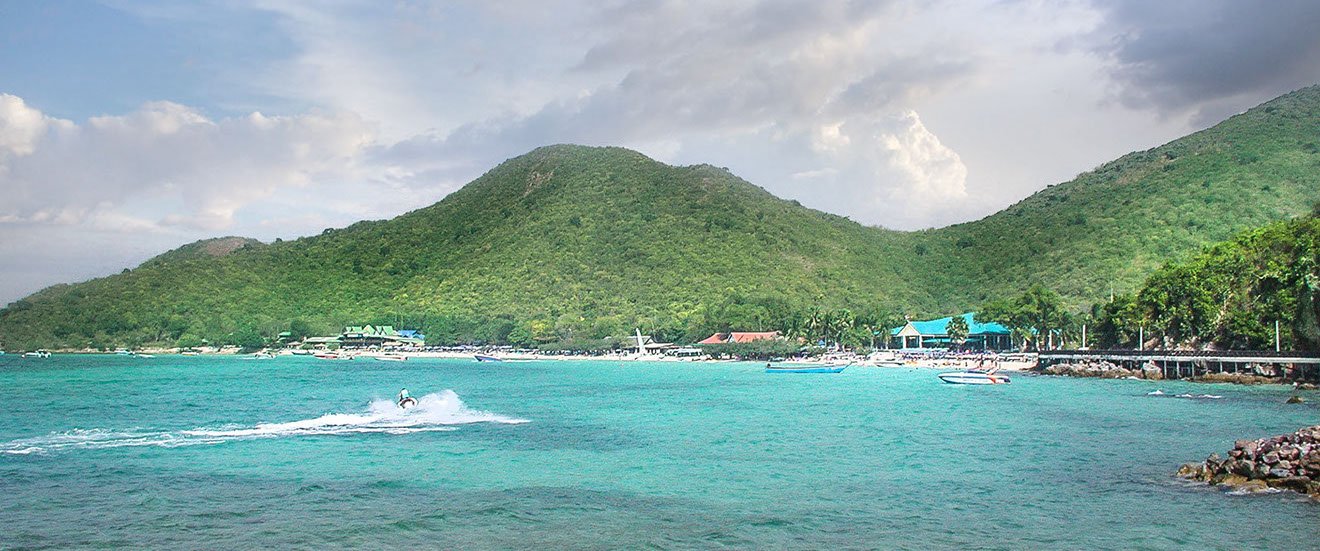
{"x":436,"y":412}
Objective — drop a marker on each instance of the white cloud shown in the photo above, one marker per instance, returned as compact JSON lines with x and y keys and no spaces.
{"x":21,"y":127}
{"x":166,"y":164}
{"x":932,"y":171}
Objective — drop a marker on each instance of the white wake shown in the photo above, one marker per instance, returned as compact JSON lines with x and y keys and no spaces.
{"x":433,"y":413}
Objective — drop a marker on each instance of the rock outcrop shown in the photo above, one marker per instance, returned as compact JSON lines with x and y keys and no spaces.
{"x":1100,"y":369}
{"x":1288,"y":462}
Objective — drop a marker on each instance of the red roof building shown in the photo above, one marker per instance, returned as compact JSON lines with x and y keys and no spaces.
{"x":740,"y":337}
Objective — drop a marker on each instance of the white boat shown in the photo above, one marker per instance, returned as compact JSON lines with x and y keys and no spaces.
{"x":806,"y":368}
{"x":973,"y":377}
{"x":391,"y":358}
{"x":40,"y":353}
{"x":144,"y":355}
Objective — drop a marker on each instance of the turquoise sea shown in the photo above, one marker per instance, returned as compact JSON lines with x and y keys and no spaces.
{"x":299,"y":453}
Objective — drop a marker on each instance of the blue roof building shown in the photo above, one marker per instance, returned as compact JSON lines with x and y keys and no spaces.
{"x":935,"y":334}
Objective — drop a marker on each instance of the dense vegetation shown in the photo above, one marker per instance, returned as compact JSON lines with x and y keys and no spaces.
{"x":575,"y":244}
{"x":1230,"y":295}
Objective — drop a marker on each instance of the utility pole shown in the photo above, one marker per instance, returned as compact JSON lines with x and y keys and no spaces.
{"x":1141,"y":337}
{"x":1083,"y":336}
{"x":1276,"y":335}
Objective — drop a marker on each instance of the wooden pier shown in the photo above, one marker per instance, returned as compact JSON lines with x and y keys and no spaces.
{"x":1181,"y":364}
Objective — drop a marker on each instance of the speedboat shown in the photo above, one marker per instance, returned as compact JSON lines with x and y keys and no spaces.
{"x":333,"y":356}
{"x":973,"y":377}
{"x":40,"y":353}
{"x":804,"y":368}
{"x":391,"y":358}
{"x":485,"y":358}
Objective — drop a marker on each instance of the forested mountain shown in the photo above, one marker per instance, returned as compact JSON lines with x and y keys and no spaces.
{"x":579,"y":242}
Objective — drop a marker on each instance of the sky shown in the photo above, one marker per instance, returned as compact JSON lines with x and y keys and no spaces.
{"x":130,"y":128}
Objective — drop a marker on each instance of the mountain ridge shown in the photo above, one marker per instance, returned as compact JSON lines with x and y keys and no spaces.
{"x":571,"y":241}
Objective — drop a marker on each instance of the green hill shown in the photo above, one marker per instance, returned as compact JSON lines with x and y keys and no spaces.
{"x":1111,"y":227}
{"x":579,"y":242}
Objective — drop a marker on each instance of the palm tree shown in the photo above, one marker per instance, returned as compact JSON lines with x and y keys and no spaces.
{"x":957,"y":330}
{"x":815,"y":325}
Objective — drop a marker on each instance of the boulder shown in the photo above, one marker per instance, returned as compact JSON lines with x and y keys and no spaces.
{"x":1243,"y":468}
{"x":1294,"y":483}
{"x":1193,"y":471}
{"x":1252,"y":486}
{"x":1227,"y":479}
{"x":1289,"y":453}
{"x":1270,"y":458}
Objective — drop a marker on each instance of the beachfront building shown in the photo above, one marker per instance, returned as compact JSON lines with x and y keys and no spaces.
{"x":322,"y":342}
{"x":741,"y":337}
{"x":378,"y":336}
{"x":935,"y":334}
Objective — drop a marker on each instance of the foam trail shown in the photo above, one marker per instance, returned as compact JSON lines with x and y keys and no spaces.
{"x":436,"y":412}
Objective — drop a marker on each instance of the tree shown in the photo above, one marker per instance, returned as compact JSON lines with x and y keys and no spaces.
{"x":957,"y":330}
{"x":299,"y":329}
{"x":1031,"y":316}
{"x":1116,"y":322}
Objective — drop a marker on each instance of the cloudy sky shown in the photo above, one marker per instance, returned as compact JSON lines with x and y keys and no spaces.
{"x":129,"y":128}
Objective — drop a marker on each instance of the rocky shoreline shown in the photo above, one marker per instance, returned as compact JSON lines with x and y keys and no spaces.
{"x":1109,"y":370}
{"x":1286,"y":462}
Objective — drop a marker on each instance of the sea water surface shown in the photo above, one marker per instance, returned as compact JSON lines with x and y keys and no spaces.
{"x":295,"y":452}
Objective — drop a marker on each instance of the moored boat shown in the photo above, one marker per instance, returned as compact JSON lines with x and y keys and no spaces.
{"x":391,"y":358}
{"x":805,"y":368}
{"x":39,"y":353}
{"x":973,"y":377}
{"x":333,"y":356}
{"x":486,"y":358}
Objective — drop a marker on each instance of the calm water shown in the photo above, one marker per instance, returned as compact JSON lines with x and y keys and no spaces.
{"x":198,"y":452}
